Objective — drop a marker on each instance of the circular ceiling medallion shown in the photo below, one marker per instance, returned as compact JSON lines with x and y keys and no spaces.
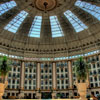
{"x":47,"y":5}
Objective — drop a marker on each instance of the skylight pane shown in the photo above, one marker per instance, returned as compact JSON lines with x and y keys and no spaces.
{"x":16,"y":22}
{"x":76,"y":23}
{"x":36,"y":27}
{"x":91,"y":9}
{"x":55,"y":27}
{"x":6,"y":7}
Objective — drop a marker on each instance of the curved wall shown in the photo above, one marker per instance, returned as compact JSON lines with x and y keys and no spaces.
{"x":50,"y":76}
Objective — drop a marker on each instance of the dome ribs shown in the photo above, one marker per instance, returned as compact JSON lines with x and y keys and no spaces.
{"x":7,"y":17}
{"x":67,"y":28}
{"x":25,"y":27}
{"x":84,"y":16}
{"x":46,"y":35}
{"x":94,"y":2}
{"x":64,"y":24}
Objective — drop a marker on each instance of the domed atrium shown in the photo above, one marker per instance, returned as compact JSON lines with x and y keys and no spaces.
{"x":44,"y":42}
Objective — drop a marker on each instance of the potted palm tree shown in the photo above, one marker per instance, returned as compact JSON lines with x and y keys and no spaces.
{"x":81,"y":70}
{"x":5,"y":66}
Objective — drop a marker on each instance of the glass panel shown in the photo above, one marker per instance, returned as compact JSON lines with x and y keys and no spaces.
{"x":36,"y":27}
{"x":76,"y":23}
{"x":55,"y":27}
{"x":91,"y":9}
{"x":7,"y":6}
{"x":16,"y":22}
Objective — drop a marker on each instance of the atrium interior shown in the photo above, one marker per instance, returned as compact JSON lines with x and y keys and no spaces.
{"x":43,"y":39}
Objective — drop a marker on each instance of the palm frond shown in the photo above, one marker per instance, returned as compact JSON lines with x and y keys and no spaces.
{"x":5,"y":65}
{"x":81,"y":69}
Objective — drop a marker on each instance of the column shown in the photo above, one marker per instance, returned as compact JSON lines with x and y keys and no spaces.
{"x":86,"y":59}
{"x":38,"y":80}
{"x":54,"y":80}
{"x":22,"y":75}
{"x":70,"y":75}
{"x":70,"y":79}
{"x":54,"y":76}
{"x":99,"y":57}
{"x":22,"y":79}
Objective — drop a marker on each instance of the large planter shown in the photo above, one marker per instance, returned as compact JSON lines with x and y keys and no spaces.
{"x":82,"y":89}
{"x":53,"y":95}
{"x":38,"y":95}
{"x":2,"y":89}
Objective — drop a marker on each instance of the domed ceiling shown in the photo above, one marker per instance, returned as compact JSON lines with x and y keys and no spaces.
{"x":49,"y":28}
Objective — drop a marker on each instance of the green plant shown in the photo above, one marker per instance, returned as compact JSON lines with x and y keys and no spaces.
{"x":88,"y":96}
{"x":39,"y":90}
{"x":58,"y":95}
{"x":98,"y":96}
{"x":81,"y":69}
{"x":5,"y":67}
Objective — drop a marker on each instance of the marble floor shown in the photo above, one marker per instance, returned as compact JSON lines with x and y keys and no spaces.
{"x":43,"y":99}
{"x":40,"y":99}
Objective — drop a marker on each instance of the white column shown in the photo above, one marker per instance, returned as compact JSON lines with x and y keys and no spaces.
{"x":38,"y":78}
{"x":70,"y":79}
{"x":22,"y":74}
{"x":54,"y":80}
{"x":99,"y":57}
{"x":70,"y":75}
{"x":54,"y":76}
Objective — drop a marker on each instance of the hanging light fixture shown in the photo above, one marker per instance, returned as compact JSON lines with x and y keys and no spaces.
{"x":45,"y":5}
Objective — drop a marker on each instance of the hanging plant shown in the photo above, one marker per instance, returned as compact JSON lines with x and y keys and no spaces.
{"x":5,"y":67}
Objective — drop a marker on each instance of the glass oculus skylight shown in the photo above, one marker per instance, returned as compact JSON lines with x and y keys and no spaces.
{"x":55,"y":27}
{"x":91,"y":9}
{"x":36,"y":27}
{"x":6,"y":7}
{"x":16,"y":22}
{"x":75,"y":21}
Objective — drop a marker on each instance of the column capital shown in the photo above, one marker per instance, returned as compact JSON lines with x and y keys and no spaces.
{"x":69,"y":60}
{"x":38,"y":62}
{"x":53,"y":62}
